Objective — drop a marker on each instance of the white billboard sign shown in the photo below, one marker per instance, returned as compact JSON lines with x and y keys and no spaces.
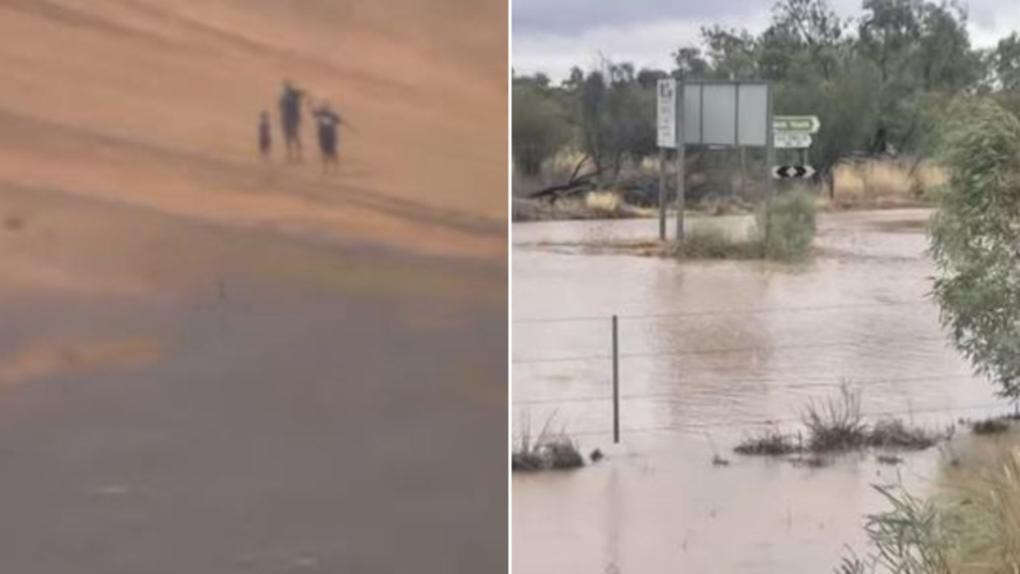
{"x":726,"y":113}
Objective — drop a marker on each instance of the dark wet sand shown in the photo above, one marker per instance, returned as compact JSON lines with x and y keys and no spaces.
{"x":264,"y":411}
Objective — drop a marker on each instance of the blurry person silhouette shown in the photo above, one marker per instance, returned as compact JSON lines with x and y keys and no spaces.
{"x":327,"y":121}
{"x":265,"y":136}
{"x":290,"y":119}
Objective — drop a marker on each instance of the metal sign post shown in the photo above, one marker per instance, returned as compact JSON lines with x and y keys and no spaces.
{"x":770,"y":158}
{"x":616,"y":382}
{"x":662,"y":194}
{"x":681,"y":176}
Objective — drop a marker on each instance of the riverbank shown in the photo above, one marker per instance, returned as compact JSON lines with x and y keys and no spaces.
{"x":969,"y":522}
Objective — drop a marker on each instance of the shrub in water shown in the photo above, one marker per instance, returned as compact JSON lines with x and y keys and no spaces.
{"x":788,"y":226}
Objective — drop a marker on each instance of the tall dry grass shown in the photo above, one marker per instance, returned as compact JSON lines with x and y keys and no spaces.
{"x":984,"y":500}
{"x":882,"y":182}
{"x":970,"y":525}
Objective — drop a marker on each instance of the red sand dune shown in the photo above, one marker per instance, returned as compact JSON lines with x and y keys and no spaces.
{"x":154,"y":103}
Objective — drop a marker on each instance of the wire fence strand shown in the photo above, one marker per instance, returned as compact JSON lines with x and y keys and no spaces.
{"x":695,"y":352}
{"x":775,"y":422}
{"x":712,"y":312}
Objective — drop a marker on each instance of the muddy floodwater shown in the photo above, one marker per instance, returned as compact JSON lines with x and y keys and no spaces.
{"x":709,"y":352}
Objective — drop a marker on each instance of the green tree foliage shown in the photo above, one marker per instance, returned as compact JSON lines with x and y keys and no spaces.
{"x":615,"y":117}
{"x":690,"y":64}
{"x":731,"y":52}
{"x":944,"y":57}
{"x":811,"y":34}
{"x":975,"y":240}
{"x":878,"y":82}
{"x":1006,"y":62}
{"x":539,"y":123}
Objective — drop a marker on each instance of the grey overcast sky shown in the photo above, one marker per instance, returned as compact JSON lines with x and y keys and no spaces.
{"x":552,"y":35}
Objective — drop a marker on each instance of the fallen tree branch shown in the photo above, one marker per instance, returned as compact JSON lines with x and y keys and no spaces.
{"x":573,"y":185}
{"x":578,"y":185}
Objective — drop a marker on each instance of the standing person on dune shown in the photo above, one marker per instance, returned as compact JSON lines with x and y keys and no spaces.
{"x":327,"y":121}
{"x":265,"y":135}
{"x":290,"y":119}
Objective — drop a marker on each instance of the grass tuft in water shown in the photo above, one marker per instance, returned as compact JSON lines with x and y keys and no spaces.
{"x":769,"y":442}
{"x":892,"y":433}
{"x":547,"y":451}
{"x":836,"y":423}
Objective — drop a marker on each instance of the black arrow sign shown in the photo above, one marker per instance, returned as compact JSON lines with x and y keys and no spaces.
{"x":791,"y":171}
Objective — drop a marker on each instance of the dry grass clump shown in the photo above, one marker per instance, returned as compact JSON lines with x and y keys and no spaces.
{"x":987,"y":507}
{"x":881,"y":182}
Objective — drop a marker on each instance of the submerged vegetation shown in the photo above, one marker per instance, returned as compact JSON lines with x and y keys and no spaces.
{"x":783,"y":231}
{"x":838,"y":424}
{"x":770,"y":442}
{"x":990,"y":426}
{"x":715,"y":243}
{"x":547,"y":451}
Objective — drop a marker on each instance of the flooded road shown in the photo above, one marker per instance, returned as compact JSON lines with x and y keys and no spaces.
{"x":711,"y":351}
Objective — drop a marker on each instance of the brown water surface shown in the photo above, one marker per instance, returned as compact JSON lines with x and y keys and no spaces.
{"x":712,"y":351}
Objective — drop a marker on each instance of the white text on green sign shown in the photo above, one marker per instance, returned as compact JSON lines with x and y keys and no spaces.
{"x":806,"y":124}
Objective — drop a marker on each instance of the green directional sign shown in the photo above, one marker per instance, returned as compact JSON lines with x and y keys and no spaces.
{"x":805,"y":124}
